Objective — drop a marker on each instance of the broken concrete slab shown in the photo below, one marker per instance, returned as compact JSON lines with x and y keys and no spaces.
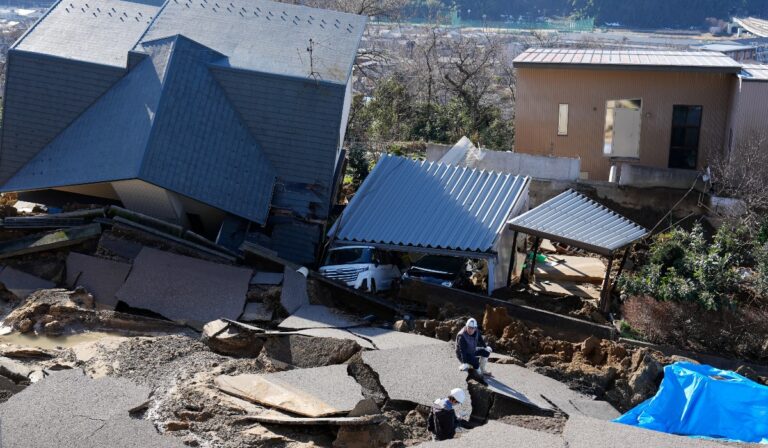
{"x":68,"y":408}
{"x":267,"y":278}
{"x":581,"y":432}
{"x":319,"y":421}
{"x":256,"y":312}
{"x":529,"y":387}
{"x":22,"y":284}
{"x":120,"y":247}
{"x":294,"y":294}
{"x":571,"y":269}
{"x":318,"y":316}
{"x":303,"y":351}
{"x":185,"y":289}
{"x":499,"y":435}
{"x":337,"y":333}
{"x":317,"y":392}
{"x":49,"y":240}
{"x":419,"y":374}
{"x":100,"y":277}
{"x":384,"y":339}
{"x":14,"y":370}
{"x":227,"y":339}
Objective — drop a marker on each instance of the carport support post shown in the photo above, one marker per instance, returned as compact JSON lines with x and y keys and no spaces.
{"x":621,"y":268}
{"x":605,"y":294}
{"x":512,"y":260}
{"x":535,"y":249}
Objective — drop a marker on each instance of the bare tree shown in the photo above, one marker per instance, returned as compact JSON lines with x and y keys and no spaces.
{"x":542,"y":39}
{"x":387,"y":8}
{"x":742,"y":174}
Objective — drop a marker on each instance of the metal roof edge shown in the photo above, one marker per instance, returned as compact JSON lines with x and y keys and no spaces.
{"x":420,"y":249}
{"x":278,"y":75}
{"x":524,"y":189}
{"x":628,"y":67}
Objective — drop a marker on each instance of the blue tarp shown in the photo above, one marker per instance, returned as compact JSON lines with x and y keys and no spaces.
{"x":699,"y":400}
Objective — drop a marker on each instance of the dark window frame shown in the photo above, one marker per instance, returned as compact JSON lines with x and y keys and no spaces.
{"x":683,"y":155}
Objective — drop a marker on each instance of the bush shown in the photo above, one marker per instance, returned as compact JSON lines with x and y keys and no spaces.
{"x":682,"y":267}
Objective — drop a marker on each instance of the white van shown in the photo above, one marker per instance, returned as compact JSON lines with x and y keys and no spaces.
{"x":361,"y":267}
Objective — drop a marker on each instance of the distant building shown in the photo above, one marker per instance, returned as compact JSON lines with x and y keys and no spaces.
{"x":200,"y":113}
{"x":659,"y":109}
{"x":736,"y":51}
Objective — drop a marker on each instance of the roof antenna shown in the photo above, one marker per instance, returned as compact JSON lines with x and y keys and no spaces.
{"x":310,"y":49}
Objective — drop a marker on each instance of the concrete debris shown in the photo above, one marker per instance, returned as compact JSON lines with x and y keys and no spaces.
{"x":184,"y":288}
{"x":14,"y":370}
{"x":304,"y":352}
{"x":267,"y":278}
{"x":318,"y":316}
{"x":222,"y":337}
{"x":318,"y":392}
{"x":22,"y":284}
{"x":499,"y":435}
{"x":69,"y":409}
{"x":583,"y":432}
{"x":294,"y":294}
{"x":110,"y":244}
{"x":256,"y":312}
{"x":337,"y":333}
{"x":50,"y":240}
{"x":22,"y":352}
{"x":378,"y":436}
{"x":101,"y":277}
{"x":564,"y":289}
{"x":405,"y":373}
{"x":571,"y":269}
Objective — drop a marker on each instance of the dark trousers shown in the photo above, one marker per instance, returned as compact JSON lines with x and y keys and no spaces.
{"x":479,"y":353}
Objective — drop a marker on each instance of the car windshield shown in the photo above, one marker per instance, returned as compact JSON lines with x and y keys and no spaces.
{"x":451,"y":265}
{"x":355,"y":255}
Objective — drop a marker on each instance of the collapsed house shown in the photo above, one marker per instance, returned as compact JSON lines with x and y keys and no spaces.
{"x":226,"y":119}
{"x":433,"y":208}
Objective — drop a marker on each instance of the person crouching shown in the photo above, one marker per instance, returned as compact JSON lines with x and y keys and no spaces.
{"x":472,"y":350}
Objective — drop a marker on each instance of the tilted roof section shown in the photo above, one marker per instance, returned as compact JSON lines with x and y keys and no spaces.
{"x":267,"y":36}
{"x":581,"y":222}
{"x":98,"y":31}
{"x":758,"y":27}
{"x":412,"y":204}
{"x":627,"y":59}
{"x":755,"y":72}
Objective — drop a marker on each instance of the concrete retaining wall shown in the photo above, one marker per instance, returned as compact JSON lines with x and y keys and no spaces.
{"x":649,"y":177}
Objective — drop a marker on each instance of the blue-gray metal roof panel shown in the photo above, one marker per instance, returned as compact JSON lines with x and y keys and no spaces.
{"x":577,"y":220}
{"x":430,"y":205}
{"x":267,"y":36}
{"x":97,"y":31}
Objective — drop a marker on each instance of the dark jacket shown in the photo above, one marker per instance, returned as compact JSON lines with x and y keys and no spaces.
{"x":466,"y":346}
{"x":442,"y":420}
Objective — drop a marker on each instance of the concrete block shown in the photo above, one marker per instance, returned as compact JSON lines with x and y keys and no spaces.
{"x":185,"y":289}
{"x":651,"y":177}
{"x":581,"y":432}
{"x":318,"y":316}
{"x":22,"y":284}
{"x":317,"y":392}
{"x":68,"y":408}
{"x":294,"y":294}
{"x":499,"y":435}
{"x":101,"y":277}
{"x":419,"y":374}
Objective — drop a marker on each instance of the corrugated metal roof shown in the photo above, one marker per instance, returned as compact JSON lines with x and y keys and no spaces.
{"x":430,"y":205}
{"x":581,"y":222}
{"x":725,"y":47}
{"x":641,"y":59}
{"x":755,"y":72}
{"x":758,"y":27}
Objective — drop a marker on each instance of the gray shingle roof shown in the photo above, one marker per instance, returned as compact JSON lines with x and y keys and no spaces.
{"x":167,"y":122}
{"x":430,"y":205}
{"x":266,"y":36}
{"x":98,"y":31}
{"x":581,"y":222}
{"x":627,"y":59}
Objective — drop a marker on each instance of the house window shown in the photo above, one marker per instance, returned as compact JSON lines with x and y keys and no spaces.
{"x":621,"y":134}
{"x":562,"y":120}
{"x":686,"y":127}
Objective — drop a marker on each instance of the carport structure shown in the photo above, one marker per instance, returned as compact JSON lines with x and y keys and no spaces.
{"x":578,"y":221}
{"x":434,"y":208}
